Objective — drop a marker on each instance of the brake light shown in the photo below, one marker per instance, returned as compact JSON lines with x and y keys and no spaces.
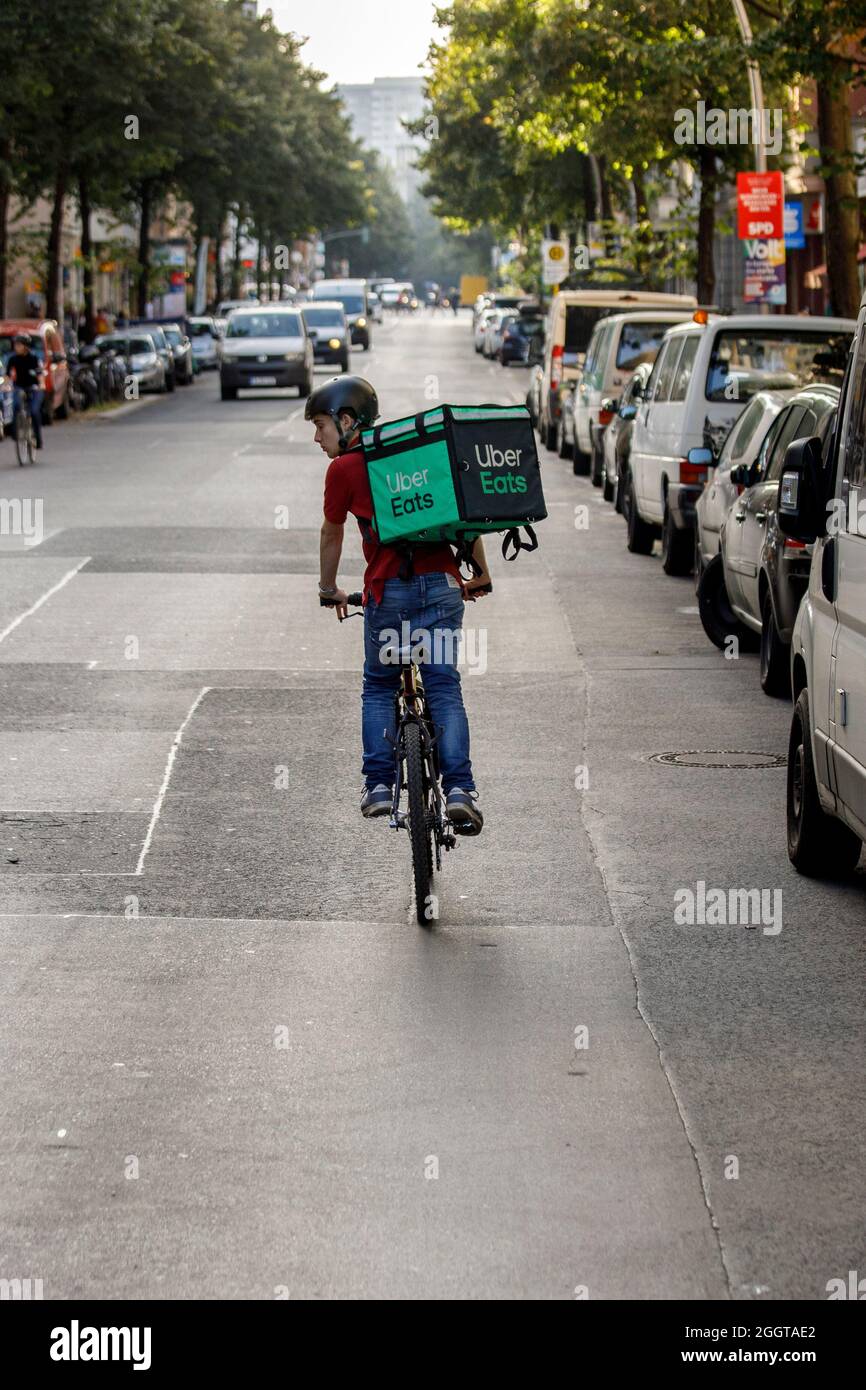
{"x":791,"y":544}
{"x":605,"y":417}
{"x":555,"y":366}
{"x":692,"y":472}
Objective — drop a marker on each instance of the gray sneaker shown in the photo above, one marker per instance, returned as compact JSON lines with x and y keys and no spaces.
{"x":376,"y":801}
{"x":463,"y":812}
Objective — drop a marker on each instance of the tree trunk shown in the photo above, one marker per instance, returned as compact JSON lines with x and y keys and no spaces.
{"x":638,"y":181}
{"x":145,"y":196}
{"x":53,"y":289}
{"x":707,"y":226}
{"x":236,"y":258}
{"x":842,"y":230}
{"x":5,"y":191}
{"x":589,"y":199}
{"x":259,"y":261}
{"x":606,"y":203}
{"x":87,"y":257}
{"x":219,"y":234}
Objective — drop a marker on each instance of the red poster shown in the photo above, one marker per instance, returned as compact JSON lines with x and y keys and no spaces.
{"x":760,"y":206}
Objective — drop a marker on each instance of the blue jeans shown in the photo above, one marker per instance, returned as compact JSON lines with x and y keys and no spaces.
{"x":35,"y":408}
{"x":432,"y":611}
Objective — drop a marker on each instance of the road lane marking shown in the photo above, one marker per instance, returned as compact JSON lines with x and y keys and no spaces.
{"x":55,"y":588}
{"x":172,"y":753}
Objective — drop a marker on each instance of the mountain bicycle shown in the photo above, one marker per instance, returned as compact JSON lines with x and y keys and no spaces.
{"x":417,"y":771}
{"x":25,"y":435}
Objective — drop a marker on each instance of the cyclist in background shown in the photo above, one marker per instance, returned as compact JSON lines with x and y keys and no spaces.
{"x":426,"y":592}
{"x":25,"y":369}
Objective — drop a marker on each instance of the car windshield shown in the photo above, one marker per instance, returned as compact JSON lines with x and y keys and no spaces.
{"x":324,"y":318}
{"x":201,"y":330}
{"x":264,"y":325}
{"x":580,"y":320}
{"x":746,"y":361}
{"x":140,"y":345}
{"x":639,"y":342}
{"x":174,"y":336}
{"x":7,"y":346}
{"x":352,"y":303}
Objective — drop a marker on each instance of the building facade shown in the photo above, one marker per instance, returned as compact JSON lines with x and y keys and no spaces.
{"x":378,"y":110}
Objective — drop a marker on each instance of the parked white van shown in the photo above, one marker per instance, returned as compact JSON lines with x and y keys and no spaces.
{"x":571,"y":318}
{"x":704,"y":376}
{"x":827,"y":746}
{"x":618,"y":345}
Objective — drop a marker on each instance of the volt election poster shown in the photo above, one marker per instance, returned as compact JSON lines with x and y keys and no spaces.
{"x":764,"y":280}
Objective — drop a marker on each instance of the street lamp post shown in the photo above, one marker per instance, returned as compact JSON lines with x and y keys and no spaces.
{"x":756,"y":87}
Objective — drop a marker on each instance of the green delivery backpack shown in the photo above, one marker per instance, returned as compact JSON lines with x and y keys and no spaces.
{"x":453,"y":474}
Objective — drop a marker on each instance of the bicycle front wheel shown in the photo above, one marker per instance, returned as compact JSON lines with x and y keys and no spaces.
{"x":420,"y":828}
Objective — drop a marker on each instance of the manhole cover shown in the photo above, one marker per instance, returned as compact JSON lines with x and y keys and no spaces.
{"x":720,"y":758}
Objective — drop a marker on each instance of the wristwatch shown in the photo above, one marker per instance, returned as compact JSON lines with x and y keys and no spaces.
{"x":326,"y":593}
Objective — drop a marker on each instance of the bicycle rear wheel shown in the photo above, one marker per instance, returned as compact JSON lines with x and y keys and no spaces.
{"x":24,"y":438}
{"x":420,"y":828}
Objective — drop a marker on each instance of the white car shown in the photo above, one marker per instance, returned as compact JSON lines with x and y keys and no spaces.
{"x":265,"y":346}
{"x":204,"y":336}
{"x":705,"y":374}
{"x":496,"y":326}
{"x":481,"y":327}
{"x":827,"y":746}
{"x":742,"y":445}
{"x":618,"y":345}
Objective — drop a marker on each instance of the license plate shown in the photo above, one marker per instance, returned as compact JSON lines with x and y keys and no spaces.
{"x":263,"y":381}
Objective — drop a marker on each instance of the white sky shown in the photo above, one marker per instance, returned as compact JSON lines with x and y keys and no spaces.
{"x":357,"y":40}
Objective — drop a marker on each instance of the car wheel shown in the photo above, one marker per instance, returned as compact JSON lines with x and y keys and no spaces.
{"x":581,"y":462}
{"x":619,"y":489}
{"x":344,"y":364}
{"x":819,"y":845}
{"x":607,"y":488}
{"x":62,"y":411}
{"x":775,"y":656}
{"x":717,"y":616}
{"x":677,"y":547}
{"x":170,"y":382}
{"x":228,"y":393}
{"x":48,"y":412}
{"x":596,"y":465}
{"x":563,"y":448}
{"x":548,"y":434}
{"x":304,"y":388}
{"x":641,"y":535}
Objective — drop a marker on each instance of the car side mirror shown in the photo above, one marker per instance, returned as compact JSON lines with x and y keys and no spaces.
{"x":800,"y":509}
{"x":701,"y":458}
{"x":628,"y":412}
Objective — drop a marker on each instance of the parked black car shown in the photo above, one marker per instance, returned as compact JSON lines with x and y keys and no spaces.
{"x":616,"y":441}
{"x":523,"y":340}
{"x":765,"y":572}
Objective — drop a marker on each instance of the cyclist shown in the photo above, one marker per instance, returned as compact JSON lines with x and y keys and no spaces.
{"x":426,"y":591}
{"x":25,"y":370}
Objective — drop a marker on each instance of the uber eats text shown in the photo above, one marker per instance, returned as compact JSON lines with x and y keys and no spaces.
{"x":405,"y":488}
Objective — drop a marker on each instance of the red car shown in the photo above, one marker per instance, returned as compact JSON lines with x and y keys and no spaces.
{"x":48,"y":347}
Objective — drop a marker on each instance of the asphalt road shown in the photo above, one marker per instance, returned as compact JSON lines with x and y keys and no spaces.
{"x":232,"y":1064}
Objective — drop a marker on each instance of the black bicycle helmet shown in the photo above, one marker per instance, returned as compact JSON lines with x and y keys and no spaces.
{"x":344,"y":393}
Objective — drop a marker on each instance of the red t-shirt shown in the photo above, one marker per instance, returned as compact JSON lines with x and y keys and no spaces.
{"x":347,"y":489}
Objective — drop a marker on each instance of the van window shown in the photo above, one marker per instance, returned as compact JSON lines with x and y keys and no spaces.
{"x":744,"y":361}
{"x":580,"y":320}
{"x":667,"y":367}
{"x":596,"y":357}
{"x":684,"y":368}
{"x":639,"y":342}
{"x":243,"y":324}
